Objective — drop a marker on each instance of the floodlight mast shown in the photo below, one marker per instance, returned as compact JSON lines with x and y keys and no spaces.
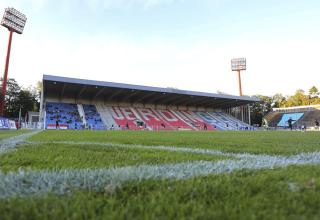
{"x":238,"y":65}
{"x":14,"y":21}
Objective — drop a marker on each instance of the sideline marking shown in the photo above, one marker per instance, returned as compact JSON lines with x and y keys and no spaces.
{"x":155,"y":147}
{"x":9,"y":144}
{"x":36,"y":183}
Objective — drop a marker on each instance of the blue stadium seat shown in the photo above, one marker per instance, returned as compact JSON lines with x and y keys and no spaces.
{"x":295,"y":116}
{"x":66,"y":114}
{"x":93,"y":117}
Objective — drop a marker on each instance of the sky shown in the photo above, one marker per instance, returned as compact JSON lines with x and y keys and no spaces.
{"x":185,"y":44}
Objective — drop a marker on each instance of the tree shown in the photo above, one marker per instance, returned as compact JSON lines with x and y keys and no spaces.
{"x":313,"y":92}
{"x":27,"y":101}
{"x":11,"y":96}
{"x":260,"y":109}
{"x":17,"y":97}
{"x":314,"y":95}
{"x":278,"y":101}
{"x":298,"y":99}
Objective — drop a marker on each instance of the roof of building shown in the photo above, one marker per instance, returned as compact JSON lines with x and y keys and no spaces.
{"x":64,"y":87}
{"x":297,"y":108}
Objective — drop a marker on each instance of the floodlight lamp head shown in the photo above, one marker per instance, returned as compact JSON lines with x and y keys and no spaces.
{"x":238,"y":64}
{"x":14,"y":20}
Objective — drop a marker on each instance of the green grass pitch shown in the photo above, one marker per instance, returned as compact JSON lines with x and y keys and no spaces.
{"x":161,"y":175}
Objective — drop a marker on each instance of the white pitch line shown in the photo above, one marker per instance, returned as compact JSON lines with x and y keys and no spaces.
{"x":37,"y":183}
{"x":160,"y":147}
{"x":185,"y":149}
{"x":9,"y":144}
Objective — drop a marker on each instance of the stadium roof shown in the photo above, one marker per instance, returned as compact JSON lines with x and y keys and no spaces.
{"x":64,"y":87}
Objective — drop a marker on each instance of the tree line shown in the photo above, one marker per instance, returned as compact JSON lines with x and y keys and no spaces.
{"x":18,"y":97}
{"x":300,"y":98}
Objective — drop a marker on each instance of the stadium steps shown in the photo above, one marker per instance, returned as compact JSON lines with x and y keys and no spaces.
{"x":66,"y":113}
{"x":155,"y":122}
{"x":235,"y":120}
{"x":185,"y":119}
{"x":195,"y":120}
{"x":209,"y":119}
{"x":124,"y":116}
{"x":140,"y":118}
{"x":223,"y":122}
{"x":309,"y":118}
{"x":273,"y":118}
{"x":81,"y":113}
{"x":276,"y":119}
{"x":168,"y":125}
{"x":93,"y":117}
{"x":106,"y":116}
{"x":296,"y":116}
{"x":176,"y":122}
{"x":269,"y":117}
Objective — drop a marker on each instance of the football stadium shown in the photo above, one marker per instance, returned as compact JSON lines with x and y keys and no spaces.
{"x":90,"y":148}
{"x":68,"y":103}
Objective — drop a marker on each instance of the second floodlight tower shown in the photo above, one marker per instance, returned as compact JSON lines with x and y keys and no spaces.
{"x":238,"y":65}
{"x":15,"y":22}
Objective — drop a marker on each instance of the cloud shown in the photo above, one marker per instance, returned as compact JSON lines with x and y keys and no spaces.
{"x":126,"y":4}
{"x":200,"y":66}
{"x":37,"y":5}
{"x":34,"y":5}
{"x":273,"y":65}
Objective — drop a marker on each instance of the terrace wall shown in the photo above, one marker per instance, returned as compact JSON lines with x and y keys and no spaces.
{"x":128,"y":104}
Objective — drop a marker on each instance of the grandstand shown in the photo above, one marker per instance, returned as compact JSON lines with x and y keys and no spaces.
{"x":87,"y":104}
{"x":303,"y":116}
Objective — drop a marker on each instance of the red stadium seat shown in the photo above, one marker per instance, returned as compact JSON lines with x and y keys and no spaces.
{"x":124,"y":116}
{"x":153,"y":120}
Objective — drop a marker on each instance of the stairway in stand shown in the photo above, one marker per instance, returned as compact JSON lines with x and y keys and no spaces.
{"x":81,"y":113}
{"x":106,"y":116}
